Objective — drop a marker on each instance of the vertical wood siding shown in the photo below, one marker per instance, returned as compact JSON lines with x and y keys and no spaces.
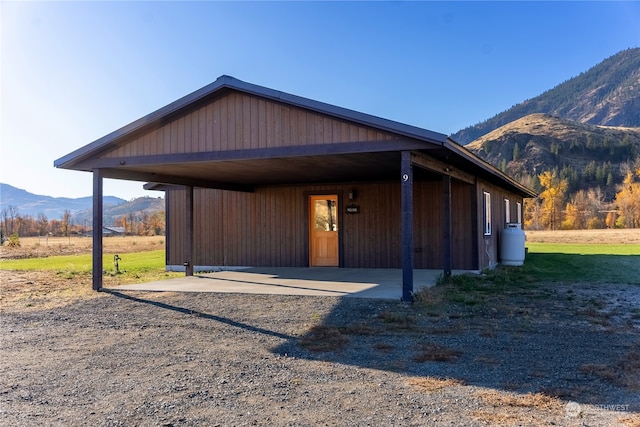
{"x":270,"y":227}
{"x":240,"y":122}
{"x":488,"y":246}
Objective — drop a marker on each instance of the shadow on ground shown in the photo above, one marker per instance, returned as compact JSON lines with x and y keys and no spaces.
{"x":550,"y":341}
{"x":220,"y":319}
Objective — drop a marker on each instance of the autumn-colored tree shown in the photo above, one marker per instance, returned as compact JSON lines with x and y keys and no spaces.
{"x":597,"y":208}
{"x":9,"y":216}
{"x":552,"y":199}
{"x":122,"y":222}
{"x":577,"y":212}
{"x":628,"y":200}
{"x":572,"y":218}
{"x":131,"y":220}
{"x":66,"y":222}
{"x":611,"y":219}
{"x":158,"y":223}
{"x":144,"y":224}
{"x":43,"y":224}
{"x":532,"y":214}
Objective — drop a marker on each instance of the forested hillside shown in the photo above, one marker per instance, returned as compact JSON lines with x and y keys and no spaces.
{"x":594,"y":171}
{"x":607,"y":94}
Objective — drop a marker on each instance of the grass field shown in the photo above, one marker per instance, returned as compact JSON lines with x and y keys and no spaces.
{"x":585,"y":248}
{"x":584,"y":262}
{"x":595,"y":237}
{"x":133,"y":262}
{"x":582,"y":268}
{"x":41,"y":247}
{"x":134,"y":267}
{"x":590,"y":256}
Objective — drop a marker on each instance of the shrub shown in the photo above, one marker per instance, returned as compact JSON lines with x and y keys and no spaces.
{"x":14,"y":241}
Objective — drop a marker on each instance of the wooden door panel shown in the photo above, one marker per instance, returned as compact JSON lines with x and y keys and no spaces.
{"x":323,"y":231}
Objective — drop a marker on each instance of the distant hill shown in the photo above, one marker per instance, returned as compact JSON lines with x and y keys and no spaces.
{"x":81,"y":208}
{"x":53,"y":207}
{"x":586,"y":155}
{"x":136,"y":208}
{"x":607,"y":94}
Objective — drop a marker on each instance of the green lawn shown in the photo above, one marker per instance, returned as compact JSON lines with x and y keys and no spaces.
{"x":139,"y":262}
{"x":546,"y":262}
{"x":581,"y":263}
{"x":135,"y":267}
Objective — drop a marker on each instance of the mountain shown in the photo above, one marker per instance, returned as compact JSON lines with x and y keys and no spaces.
{"x":53,"y":207}
{"x":586,"y":155}
{"x":136,"y":208}
{"x":607,"y":94}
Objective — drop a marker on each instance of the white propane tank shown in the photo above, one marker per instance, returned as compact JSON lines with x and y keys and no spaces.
{"x":512,"y":245}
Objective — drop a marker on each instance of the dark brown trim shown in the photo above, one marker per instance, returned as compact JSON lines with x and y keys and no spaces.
{"x":447,"y":242}
{"x":495,"y":173}
{"x":219,"y":88}
{"x":167,"y":221}
{"x":406,"y":197}
{"x":175,"y":180}
{"x":189,"y":242}
{"x":260,"y":153}
{"x":155,"y":186}
{"x":97,"y":230}
{"x":475,"y":237}
{"x":437,"y":166}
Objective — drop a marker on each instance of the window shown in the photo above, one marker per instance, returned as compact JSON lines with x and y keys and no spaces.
{"x":507,"y":211}
{"x":487,"y":214}
{"x":519,"y":212}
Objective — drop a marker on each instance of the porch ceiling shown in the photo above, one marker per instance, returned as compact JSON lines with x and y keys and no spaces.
{"x":274,"y":171}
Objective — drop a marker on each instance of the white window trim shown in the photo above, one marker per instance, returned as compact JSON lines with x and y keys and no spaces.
{"x":487,"y":214}
{"x":519,"y":212}
{"x":507,"y":211}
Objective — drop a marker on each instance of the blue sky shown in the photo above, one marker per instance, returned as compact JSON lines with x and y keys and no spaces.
{"x":71,"y":72}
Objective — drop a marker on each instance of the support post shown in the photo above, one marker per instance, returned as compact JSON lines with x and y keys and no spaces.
{"x":189,"y":240}
{"x":97,"y":231}
{"x":446,"y":226}
{"x":406,"y":179}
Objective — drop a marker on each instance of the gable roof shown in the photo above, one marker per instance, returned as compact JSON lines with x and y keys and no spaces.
{"x":449,"y":149}
{"x":225,"y":83}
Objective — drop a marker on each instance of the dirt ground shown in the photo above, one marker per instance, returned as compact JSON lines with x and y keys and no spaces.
{"x":38,"y":247}
{"x":557,"y":356}
{"x":549,"y":355}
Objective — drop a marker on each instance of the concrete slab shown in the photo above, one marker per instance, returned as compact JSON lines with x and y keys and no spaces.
{"x":337,"y":282}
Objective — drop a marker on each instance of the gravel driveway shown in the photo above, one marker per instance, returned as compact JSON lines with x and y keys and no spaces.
{"x":559,"y":356}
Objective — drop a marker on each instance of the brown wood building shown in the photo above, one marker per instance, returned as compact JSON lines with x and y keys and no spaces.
{"x":257,"y":177}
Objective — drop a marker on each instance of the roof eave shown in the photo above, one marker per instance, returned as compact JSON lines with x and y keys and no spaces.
{"x":463,"y":152}
{"x":66,"y":162}
{"x":228,"y":82}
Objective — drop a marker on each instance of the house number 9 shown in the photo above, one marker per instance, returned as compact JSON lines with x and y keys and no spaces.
{"x":405,"y":177}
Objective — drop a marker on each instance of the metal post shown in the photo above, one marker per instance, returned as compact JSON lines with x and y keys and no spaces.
{"x":189,"y":240}
{"x":406,"y":175}
{"x":97,"y":230}
{"x":446,"y":226}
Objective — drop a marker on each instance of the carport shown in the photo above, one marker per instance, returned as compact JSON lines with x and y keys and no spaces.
{"x":249,"y":172}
